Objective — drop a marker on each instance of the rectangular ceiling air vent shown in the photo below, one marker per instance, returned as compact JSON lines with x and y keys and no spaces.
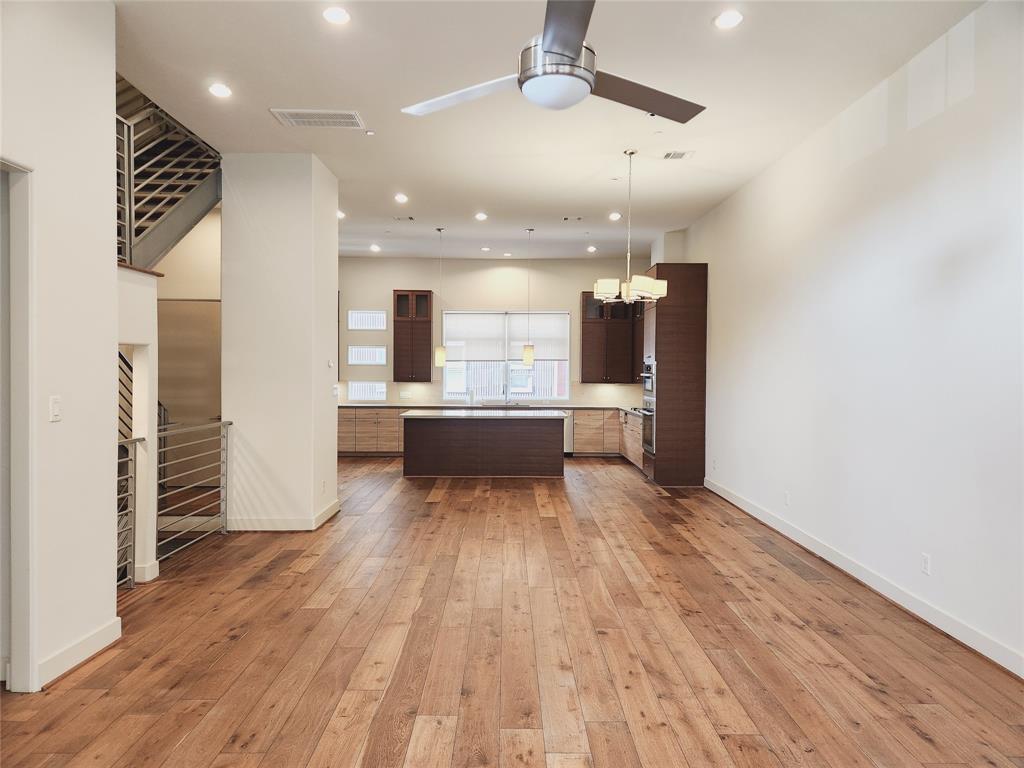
{"x":678,"y":155}
{"x":318,"y":118}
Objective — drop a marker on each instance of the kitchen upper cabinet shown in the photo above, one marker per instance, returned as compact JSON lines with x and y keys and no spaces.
{"x":606,"y":342}
{"x":414,"y":305}
{"x":413,"y":335}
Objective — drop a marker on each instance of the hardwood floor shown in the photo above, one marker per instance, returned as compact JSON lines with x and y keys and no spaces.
{"x":595,"y":622}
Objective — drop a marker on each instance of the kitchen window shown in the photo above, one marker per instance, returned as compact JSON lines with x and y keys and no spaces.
{"x":484,"y":357}
{"x":367,"y":390}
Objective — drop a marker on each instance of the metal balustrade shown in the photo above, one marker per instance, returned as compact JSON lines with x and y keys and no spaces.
{"x":192,"y":495}
{"x":160,"y":163}
{"x":125,"y":503}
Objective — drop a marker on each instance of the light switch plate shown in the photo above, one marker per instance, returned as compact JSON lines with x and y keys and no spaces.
{"x":56,"y":414}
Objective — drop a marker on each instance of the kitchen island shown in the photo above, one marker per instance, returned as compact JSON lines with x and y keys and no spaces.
{"x":478,"y":442}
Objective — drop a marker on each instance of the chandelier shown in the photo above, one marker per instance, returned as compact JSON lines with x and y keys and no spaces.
{"x":634,"y":288}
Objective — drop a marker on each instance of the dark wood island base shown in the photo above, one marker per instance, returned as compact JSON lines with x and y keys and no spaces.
{"x":468,"y":443}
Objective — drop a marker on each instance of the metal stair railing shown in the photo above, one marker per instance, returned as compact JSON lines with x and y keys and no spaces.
{"x":125,"y":512}
{"x":192,"y":498}
{"x":159,"y":163}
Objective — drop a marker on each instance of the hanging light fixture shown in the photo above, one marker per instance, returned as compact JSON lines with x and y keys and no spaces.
{"x":440,"y":352}
{"x":636,"y":287}
{"x":528,"y":348}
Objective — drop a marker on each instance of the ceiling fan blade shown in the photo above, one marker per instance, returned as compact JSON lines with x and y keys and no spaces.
{"x":641,"y":97}
{"x":565,"y":26}
{"x":466,"y":94}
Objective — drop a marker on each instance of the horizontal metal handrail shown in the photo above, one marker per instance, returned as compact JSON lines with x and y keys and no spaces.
{"x":131,"y":441}
{"x":193,"y":471}
{"x":196,"y":484}
{"x":204,"y":498}
{"x":194,"y":428}
{"x":165,"y":464}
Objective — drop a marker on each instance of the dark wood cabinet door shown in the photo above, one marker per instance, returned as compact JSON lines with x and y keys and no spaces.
{"x":592,"y":351}
{"x":422,"y":351}
{"x":422,"y":305}
{"x":638,"y":343}
{"x":403,"y":304}
{"x":403,"y":354}
{"x":618,"y":365}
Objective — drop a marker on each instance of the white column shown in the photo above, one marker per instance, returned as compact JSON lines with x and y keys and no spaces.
{"x":278,"y":308}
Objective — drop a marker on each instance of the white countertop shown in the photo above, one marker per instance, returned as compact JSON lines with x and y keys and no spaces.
{"x":484,"y":413}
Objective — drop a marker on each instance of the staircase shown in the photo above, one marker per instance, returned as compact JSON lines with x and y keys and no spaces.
{"x":167,"y":179}
{"x":124,"y":401}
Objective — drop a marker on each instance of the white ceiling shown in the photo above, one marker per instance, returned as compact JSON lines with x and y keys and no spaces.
{"x":786,"y":70}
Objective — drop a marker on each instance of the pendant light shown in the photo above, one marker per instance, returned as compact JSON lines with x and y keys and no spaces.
{"x":636,"y":287}
{"x":528,"y":348}
{"x":440,"y":352}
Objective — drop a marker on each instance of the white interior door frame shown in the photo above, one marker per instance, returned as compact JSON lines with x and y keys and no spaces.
{"x":24,"y":673}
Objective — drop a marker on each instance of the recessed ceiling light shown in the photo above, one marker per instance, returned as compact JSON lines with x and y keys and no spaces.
{"x":614,"y":216}
{"x":341,"y":214}
{"x":337,"y":15}
{"x":371,"y":132}
{"x":374,"y":247}
{"x":220,"y":90}
{"x":485,"y":249}
{"x":481,"y":216}
{"x":728,"y":19}
{"x":506,"y":254}
{"x":401,"y":198}
{"x":591,"y":249}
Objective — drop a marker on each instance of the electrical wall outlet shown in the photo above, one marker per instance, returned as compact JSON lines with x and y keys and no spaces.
{"x":714,"y":465}
{"x":926,"y":564}
{"x":785,"y":495}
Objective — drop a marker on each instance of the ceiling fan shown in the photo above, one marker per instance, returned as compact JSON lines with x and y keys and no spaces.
{"x":557,"y":69}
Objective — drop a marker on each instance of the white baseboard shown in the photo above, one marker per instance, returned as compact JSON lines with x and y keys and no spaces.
{"x":987,"y":646}
{"x":285,"y":523}
{"x":71,"y":656}
{"x":146,"y":571}
{"x":326,"y":513}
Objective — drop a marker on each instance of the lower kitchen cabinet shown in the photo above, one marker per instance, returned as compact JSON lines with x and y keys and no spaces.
{"x":631,"y":437}
{"x":346,"y":430}
{"x":369,"y":430}
{"x":595,"y":430}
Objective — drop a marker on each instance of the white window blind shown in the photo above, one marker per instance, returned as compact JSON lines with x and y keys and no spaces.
{"x":485,"y":352}
{"x":367,"y":320}
{"x":367,"y":390}
{"x":376,"y":355}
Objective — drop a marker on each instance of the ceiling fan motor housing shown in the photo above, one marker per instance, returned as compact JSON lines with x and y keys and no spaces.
{"x":555,"y":81}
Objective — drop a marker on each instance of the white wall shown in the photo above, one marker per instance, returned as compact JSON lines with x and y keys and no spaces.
{"x":191,"y":269}
{"x":474,"y":284}
{"x":137,"y":330}
{"x":5,"y":425}
{"x":279,"y":287}
{"x":58,"y":60}
{"x":865,"y":343}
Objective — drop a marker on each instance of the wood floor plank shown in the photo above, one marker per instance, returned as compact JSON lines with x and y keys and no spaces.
{"x":522,"y":748}
{"x":341,"y":745}
{"x":594,"y":621}
{"x":432,"y":744}
{"x":561,"y":711}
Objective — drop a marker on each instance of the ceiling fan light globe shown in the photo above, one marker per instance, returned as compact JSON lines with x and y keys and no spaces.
{"x":555,"y":91}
